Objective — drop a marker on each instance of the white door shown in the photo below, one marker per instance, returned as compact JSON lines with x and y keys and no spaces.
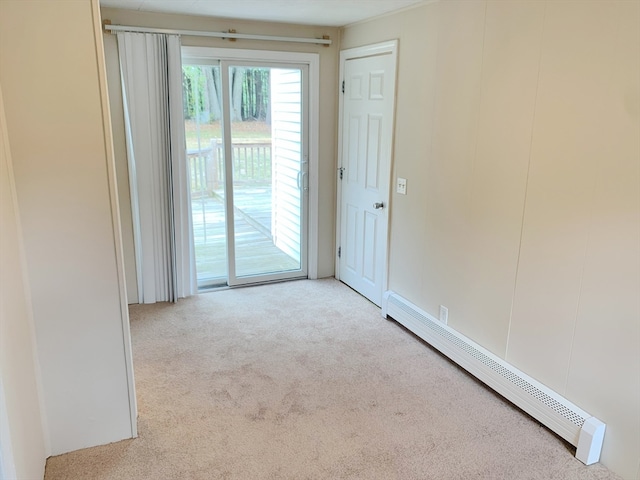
{"x":367,"y":131}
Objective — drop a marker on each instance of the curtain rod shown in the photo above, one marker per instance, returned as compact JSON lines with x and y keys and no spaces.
{"x":231,"y":34}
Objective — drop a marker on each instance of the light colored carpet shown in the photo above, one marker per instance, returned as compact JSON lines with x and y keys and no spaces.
{"x":305,"y":380}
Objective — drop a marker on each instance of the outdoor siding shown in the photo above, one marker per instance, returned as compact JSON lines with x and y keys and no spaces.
{"x":286,"y":159}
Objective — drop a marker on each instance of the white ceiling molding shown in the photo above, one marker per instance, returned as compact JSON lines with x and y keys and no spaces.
{"x":329,"y":13}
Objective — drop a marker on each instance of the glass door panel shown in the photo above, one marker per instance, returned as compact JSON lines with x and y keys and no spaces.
{"x":205,"y":158}
{"x":268,"y":169}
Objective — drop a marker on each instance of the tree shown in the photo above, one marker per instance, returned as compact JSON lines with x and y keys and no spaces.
{"x":255,"y":94}
{"x":212,"y":75}
{"x":237,"y":82}
{"x":250,"y":91}
{"x":193,"y":85}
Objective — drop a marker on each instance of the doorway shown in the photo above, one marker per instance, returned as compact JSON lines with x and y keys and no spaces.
{"x":247,"y":134}
{"x":366,"y":142}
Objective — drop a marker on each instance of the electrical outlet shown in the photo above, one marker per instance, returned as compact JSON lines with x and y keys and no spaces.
{"x":401,"y":186}
{"x":444,"y":314}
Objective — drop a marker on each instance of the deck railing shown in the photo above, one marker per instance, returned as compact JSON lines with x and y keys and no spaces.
{"x":251,"y":165}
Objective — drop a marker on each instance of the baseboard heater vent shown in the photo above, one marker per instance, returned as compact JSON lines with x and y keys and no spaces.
{"x":563,"y":417}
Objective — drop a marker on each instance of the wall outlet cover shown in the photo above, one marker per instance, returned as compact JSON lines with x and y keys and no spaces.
{"x":401,"y":186}
{"x":444,"y":314}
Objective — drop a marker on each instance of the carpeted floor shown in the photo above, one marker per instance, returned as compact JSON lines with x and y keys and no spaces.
{"x":305,"y":380}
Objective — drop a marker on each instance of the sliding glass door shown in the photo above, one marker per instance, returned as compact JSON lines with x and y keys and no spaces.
{"x":246,"y":147}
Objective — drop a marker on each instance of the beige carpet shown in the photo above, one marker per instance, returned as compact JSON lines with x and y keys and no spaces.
{"x":305,"y":380}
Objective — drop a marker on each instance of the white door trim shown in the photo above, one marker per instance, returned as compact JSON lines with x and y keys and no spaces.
{"x":117,"y":230}
{"x":389,"y":47}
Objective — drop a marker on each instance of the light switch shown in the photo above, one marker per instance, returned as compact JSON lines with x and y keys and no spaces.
{"x":401,"y":186}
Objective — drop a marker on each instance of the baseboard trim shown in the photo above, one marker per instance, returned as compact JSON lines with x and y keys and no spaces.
{"x":547,"y":406}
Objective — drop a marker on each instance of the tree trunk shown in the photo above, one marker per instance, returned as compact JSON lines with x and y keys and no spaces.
{"x":237,"y":81}
{"x":213,"y":89}
{"x":258,"y":115}
{"x":267,"y":92}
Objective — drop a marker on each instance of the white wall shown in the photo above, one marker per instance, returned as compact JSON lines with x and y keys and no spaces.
{"x":50,"y":74}
{"x":518,"y":131}
{"x":328,"y":109}
{"x":22,"y":434}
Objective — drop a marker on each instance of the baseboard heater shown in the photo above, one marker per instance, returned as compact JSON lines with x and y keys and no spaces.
{"x":551,"y":409}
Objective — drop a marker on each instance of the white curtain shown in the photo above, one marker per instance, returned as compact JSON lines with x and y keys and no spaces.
{"x":151,"y":71}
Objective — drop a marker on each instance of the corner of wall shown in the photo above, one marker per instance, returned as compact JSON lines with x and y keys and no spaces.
{"x":23,"y":452}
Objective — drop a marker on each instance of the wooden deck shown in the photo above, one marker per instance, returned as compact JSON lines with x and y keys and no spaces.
{"x":255,"y":250}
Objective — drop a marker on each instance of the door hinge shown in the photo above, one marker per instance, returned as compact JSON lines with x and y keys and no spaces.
{"x":339,"y":252}
{"x":342,"y":86}
{"x":341,"y":172}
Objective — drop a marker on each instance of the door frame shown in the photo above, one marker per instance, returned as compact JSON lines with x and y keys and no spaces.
{"x":312,"y":61}
{"x":233,"y":280}
{"x":388,"y":47}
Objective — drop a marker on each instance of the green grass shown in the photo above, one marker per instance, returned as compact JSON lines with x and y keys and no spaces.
{"x":242,"y":131}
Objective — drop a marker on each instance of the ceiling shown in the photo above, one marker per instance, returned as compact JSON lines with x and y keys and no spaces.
{"x":330,"y":13}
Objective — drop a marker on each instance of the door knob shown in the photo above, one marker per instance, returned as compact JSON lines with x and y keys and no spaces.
{"x":378,"y":205}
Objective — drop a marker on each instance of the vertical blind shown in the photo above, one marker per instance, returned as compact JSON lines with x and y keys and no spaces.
{"x":150,"y":66}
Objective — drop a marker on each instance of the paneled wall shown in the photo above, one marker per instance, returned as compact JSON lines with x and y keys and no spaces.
{"x":60,"y":147}
{"x":518,"y":130}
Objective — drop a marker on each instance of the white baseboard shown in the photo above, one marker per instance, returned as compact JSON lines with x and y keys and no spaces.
{"x":553,"y":410}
